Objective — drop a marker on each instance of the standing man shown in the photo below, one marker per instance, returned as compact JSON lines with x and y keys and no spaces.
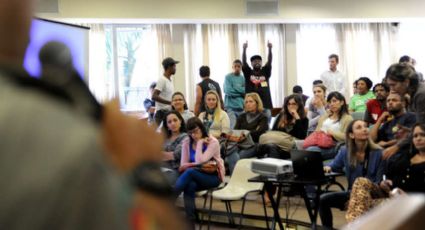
{"x":257,"y":78}
{"x":332,"y":78}
{"x":203,"y":87}
{"x":164,"y":89}
{"x":375,"y":107}
{"x":234,"y":89}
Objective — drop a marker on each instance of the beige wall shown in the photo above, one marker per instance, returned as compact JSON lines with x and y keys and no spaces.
{"x":235,"y":9}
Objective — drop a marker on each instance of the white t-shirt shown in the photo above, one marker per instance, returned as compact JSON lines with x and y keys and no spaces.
{"x":330,"y":124}
{"x":166,"y":88}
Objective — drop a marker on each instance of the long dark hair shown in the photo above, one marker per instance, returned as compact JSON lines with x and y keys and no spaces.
{"x":413,"y":147}
{"x":351,"y":144}
{"x":286,"y":117}
{"x":194,"y":123}
{"x":344,"y":108}
{"x":400,"y":72}
{"x":184,"y":100}
{"x":165,"y":125}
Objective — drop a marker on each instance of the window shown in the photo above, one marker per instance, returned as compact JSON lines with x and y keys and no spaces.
{"x":132,"y":54}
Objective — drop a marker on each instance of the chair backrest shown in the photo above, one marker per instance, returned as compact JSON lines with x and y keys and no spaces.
{"x":242,"y":173}
{"x":358,"y":115}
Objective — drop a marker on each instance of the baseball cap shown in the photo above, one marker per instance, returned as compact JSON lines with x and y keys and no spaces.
{"x":168,"y":62}
{"x":256,"y":57}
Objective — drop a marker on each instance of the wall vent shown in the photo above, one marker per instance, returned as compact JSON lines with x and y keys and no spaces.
{"x":262,"y":7}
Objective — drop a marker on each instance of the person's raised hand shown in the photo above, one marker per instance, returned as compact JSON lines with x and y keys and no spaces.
{"x":127,"y":140}
{"x":269,"y":44}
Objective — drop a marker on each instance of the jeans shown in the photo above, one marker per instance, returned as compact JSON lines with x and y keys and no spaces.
{"x":191,"y":181}
{"x":231,"y":161}
{"x":248,"y":153}
{"x":328,"y":201}
{"x":326,"y":153}
{"x":233,"y":115}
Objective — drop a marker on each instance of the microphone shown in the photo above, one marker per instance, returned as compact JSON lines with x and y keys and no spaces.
{"x":58,"y":70}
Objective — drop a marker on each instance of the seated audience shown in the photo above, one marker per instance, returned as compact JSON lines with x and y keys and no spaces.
{"x":293,"y":122}
{"x":404,"y":171}
{"x":178,"y":103}
{"x":198,"y":149}
{"x":375,"y":107}
{"x":175,"y":130}
{"x":402,"y":78}
{"x":333,"y":123}
{"x":214,"y":118}
{"x":360,"y":157}
{"x":394,"y":124}
{"x":253,"y":120}
{"x":359,"y":100}
{"x":299,"y":91}
{"x":316,"y":106}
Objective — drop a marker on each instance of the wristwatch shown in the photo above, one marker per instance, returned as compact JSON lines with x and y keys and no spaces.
{"x":148,"y":177}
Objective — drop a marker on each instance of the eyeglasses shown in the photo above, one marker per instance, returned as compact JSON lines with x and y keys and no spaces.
{"x":195,"y":130}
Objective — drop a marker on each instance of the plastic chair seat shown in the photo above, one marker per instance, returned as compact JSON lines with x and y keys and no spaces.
{"x":232,"y":193}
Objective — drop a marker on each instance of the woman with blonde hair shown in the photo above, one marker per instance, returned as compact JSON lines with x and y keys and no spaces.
{"x":215,"y":120}
{"x":253,"y":120}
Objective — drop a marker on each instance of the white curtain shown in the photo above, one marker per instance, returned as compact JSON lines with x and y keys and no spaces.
{"x":192,"y":52}
{"x":97,"y":79}
{"x":314,"y":43}
{"x":411,"y":42}
{"x":364,"y":49}
{"x":219,"y":53}
{"x":164,"y":41}
{"x":218,"y":45}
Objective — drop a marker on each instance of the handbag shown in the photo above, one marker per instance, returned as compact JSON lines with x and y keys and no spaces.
{"x":319,"y":139}
{"x":209,"y":167}
{"x":229,"y":145}
{"x":284,"y":140}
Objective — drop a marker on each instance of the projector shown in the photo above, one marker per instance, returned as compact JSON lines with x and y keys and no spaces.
{"x":271,"y":166}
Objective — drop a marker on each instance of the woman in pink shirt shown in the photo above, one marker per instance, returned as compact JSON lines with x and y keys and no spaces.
{"x":197,"y":149}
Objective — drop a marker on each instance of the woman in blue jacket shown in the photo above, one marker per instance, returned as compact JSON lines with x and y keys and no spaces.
{"x":359,"y":158}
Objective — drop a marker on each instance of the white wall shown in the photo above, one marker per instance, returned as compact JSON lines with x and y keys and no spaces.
{"x":235,"y":9}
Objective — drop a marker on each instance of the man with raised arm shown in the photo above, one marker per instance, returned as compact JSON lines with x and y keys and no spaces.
{"x":257,"y":77}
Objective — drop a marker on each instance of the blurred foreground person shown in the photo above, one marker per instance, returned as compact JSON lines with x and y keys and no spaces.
{"x":58,"y":168}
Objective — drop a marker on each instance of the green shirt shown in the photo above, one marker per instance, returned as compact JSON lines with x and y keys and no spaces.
{"x":358,"y":102}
